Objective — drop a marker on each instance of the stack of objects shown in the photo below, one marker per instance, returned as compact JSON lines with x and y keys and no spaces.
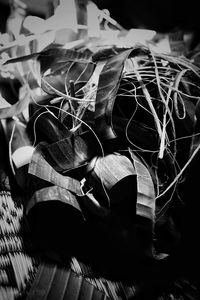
{"x":103,"y":143}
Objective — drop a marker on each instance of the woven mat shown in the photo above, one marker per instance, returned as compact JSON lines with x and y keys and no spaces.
{"x":55,"y":282}
{"x":22,"y":276}
{"x":18,"y":269}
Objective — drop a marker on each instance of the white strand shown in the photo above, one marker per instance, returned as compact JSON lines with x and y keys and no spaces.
{"x":179,"y":175}
{"x":66,"y":96}
{"x":10,"y":149}
{"x":83,"y":122}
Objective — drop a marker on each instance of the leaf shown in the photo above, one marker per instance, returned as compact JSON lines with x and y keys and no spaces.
{"x":59,"y":62}
{"x":71,"y":152}
{"x":106,"y":172}
{"x":54,"y":58}
{"x":59,"y":66}
{"x":45,"y":126}
{"x":109,"y":82}
{"x":22,"y":58}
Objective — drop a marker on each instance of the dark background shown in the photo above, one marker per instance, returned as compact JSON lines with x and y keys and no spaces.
{"x":154,"y":14}
{"x":162,"y":16}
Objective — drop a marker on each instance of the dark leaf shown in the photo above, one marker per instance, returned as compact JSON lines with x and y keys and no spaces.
{"x":109,"y":82}
{"x":70,"y":153}
{"x":62,"y":66}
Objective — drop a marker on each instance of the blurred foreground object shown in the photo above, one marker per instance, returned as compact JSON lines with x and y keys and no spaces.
{"x":18,"y":10}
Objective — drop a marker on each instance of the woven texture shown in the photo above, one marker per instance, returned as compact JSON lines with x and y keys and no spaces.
{"x":53,"y":282}
{"x":22,"y":275}
{"x":17,"y":268}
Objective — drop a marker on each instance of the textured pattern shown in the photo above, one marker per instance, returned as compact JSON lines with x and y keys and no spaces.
{"x":21,"y":276}
{"x":57,"y":283}
{"x":17,"y":268}
{"x":19,"y":272}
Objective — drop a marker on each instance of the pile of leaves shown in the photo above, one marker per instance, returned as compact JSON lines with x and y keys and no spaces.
{"x":117,"y":128}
